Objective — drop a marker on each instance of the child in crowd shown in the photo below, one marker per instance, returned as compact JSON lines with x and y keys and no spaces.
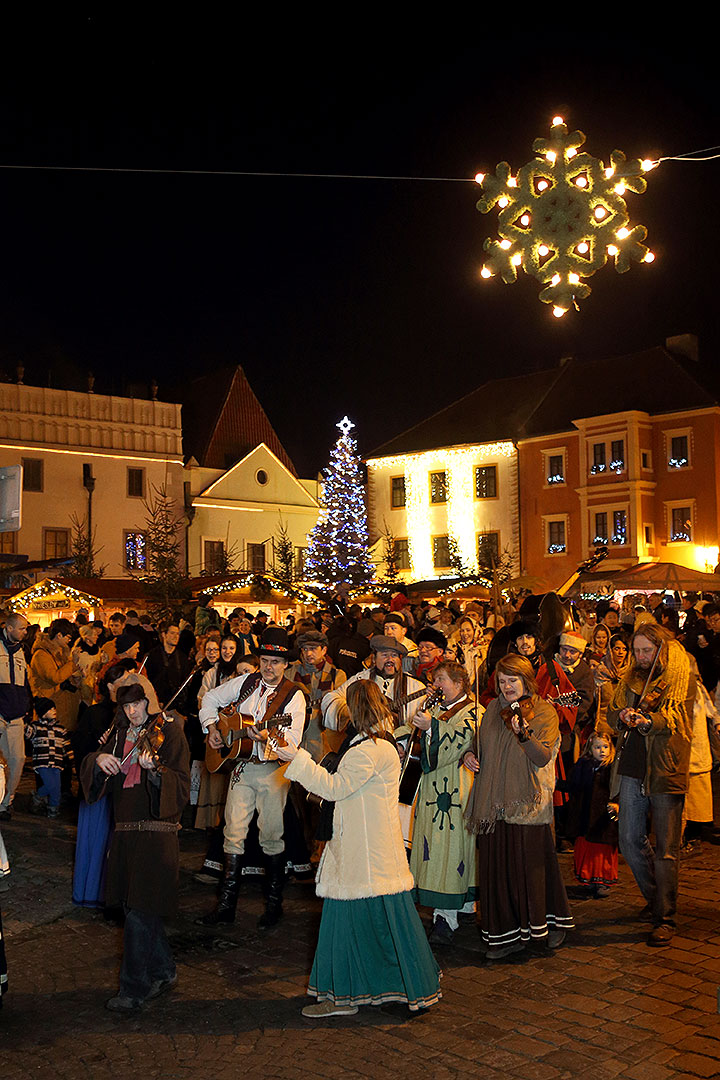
{"x":589,"y":819}
{"x":51,"y":750}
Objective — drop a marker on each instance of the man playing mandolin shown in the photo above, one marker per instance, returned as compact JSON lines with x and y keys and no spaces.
{"x":257,"y":783}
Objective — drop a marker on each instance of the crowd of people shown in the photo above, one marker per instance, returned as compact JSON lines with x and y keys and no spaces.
{"x":428,"y":754}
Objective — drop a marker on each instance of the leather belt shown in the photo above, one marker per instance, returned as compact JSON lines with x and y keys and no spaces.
{"x":146,"y":826}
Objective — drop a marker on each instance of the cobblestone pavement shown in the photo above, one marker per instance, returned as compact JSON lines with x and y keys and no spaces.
{"x":603,"y":1006}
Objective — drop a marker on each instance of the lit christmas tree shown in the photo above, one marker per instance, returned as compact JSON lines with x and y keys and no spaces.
{"x":337,"y":551}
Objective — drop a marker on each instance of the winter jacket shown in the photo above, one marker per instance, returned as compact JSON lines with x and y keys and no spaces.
{"x":15,"y":699}
{"x":50,"y":667}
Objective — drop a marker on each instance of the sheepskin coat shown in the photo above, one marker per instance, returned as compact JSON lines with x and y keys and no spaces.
{"x":366,"y":856}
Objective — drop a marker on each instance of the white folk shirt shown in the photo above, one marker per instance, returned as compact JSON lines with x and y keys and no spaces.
{"x":255,"y":705}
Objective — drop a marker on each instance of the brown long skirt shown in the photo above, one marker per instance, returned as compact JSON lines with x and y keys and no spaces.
{"x":522,"y":895}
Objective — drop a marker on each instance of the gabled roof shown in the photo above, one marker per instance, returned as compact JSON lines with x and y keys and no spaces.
{"x":546,"y":402}
{"x":223,"y":420}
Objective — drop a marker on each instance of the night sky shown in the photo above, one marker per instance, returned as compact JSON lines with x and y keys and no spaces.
{"x":336,"y":296}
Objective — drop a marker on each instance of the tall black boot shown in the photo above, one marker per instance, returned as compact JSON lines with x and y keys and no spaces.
{"x":229,"y":889}
{"x":275,"y":870}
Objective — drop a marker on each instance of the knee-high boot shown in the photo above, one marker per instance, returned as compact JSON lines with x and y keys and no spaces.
{"x":275,"y":870}
{"x":229,"y":889}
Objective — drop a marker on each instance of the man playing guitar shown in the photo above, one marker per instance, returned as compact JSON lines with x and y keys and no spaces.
{"x":258,"y":784}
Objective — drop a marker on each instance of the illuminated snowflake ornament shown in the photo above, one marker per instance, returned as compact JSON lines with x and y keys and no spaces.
{"x":563,"y":216}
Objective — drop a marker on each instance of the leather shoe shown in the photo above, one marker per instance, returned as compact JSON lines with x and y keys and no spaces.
{"x":122,"y":1004}
{"x":161,"y":986}
{"x":499,"y":952}
{"x":661,"y":935}
{"x":441,"y":933}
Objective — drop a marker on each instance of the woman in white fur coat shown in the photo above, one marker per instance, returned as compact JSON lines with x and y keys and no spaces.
{"x":372,"y":948}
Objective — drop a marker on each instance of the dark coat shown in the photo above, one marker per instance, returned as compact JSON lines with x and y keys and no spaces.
{"x":587,"y":814}
{"x":143,"y":867}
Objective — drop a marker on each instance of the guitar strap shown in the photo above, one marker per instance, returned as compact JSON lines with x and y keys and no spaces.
{"x":277,"y":701}
{"x":429,"y":749}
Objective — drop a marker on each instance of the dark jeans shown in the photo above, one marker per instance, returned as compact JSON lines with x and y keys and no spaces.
{"x":146,"y":954}
{"x":655,"y":871}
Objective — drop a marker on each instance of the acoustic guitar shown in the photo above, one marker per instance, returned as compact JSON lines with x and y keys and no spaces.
{"x":237,"y":746}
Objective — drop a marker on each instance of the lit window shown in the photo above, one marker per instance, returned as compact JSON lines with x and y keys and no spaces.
{"x":556,"y":543}
{"x":619,"y":535}
{"x":679,"y":453}
{"x":135,"y":551}
{"x":617,"y":455}
{"x":599,"y":461}
{"x":601,"y":529}
{"x":486,"y":482}
{"x":555,"y":469}
{"x":397,"y":492}
{"x":438,"y":488}
{"x":488,"y":548}
{"x":8,"y":543}
{"x":681,"y":525}
{"x":441,"y":551}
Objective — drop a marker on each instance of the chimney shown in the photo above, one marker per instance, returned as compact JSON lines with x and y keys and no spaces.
{"x":683,"y":346}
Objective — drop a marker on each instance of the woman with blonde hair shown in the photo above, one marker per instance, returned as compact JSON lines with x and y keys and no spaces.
{"x":371,"y":947}
{"x":522,"y":895}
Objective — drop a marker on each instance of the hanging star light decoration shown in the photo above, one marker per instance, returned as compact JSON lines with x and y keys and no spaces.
{"x":562,"y":216}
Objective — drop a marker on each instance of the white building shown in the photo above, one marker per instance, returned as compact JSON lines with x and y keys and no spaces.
{"x":69,"y":442}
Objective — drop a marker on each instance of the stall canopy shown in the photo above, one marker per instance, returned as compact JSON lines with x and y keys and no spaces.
{"x":645,"y":577}
{"x":51,"y":595}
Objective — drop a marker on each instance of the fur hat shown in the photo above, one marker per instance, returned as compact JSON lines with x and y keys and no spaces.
{"x":43,"y":705}
{"x":274,"y":642}
{"x":523,"y":628}
{"x":395,"y":617}
{"x":434,"y":636}
{"x":132,"y":692}
{"x":124,"y":642}
{"x":389,"y":644}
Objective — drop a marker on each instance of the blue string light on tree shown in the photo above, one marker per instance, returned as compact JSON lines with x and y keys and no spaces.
{"x":338,"y":545}
{"x":562,"y":216}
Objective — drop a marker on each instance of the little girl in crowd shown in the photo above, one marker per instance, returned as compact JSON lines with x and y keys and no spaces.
{"x":589,"y":819}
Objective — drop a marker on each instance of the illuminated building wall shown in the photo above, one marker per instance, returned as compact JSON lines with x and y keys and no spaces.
{"x":463,"y":515}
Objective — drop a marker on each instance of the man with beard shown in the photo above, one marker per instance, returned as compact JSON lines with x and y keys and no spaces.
{"x":386,"y":670}
{"x":524,"y":638}
{"x":317,"y":677}
{"x":653,"y":710}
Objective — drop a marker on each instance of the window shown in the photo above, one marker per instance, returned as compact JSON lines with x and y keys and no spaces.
{"x":486,"y":482}
{"x":681,"y":525}
{"x":619,"y":535}
{"x":601,"y":529}
{"x":300,"y":554}
{"x":441,"y":551}
{"x":256,"y":557}
{"x":8,"y":543}
{"x":649,"y":535}
{"x":213,"y":556}
{"x":397,"y":492}
{"x":617,"y":455}
{"x":136,"y":483}
{"x":402,"y":553}
{"x":32,"y":474}
{"x":438,"y":489}
{"x":135,"y":551}
{"x":261,"y":477}
{"x":645,"y":459}
{"x":56,"y":543}
{"x":556,"y":543}
{"x":679,"y":452}
{"x":598,"y":458}
{"x":555,"y":469}
{"x":488,"y":549}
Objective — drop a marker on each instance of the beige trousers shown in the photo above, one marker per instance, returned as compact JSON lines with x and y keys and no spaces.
{"x":262,"y":787}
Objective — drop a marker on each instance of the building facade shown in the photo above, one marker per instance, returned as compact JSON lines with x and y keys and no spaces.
{"x":90,"y":460}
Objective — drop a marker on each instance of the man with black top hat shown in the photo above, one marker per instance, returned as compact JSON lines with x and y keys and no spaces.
{"x":258,"y":783}
{"x":388,"y":655}
{"x":149,"y":784}
{"x":317,"y":676}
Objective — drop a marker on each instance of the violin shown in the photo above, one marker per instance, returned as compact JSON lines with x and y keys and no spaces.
{"x":523,"y":712}
{"x":150,"y":740}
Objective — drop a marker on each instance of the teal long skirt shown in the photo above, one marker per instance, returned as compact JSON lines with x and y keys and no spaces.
{"x":373,"y":951}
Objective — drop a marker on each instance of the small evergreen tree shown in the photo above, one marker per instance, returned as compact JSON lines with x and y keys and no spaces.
{"x":284,"y":555}
{"x":162,"y":578}
{"x":83,"y":550}
{"x":338,"y":545}
{"x":391,"y":574}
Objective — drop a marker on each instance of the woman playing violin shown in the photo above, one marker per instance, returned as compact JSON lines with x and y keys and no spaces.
{"x":144,"y":767}
{"x":522,"y":895}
